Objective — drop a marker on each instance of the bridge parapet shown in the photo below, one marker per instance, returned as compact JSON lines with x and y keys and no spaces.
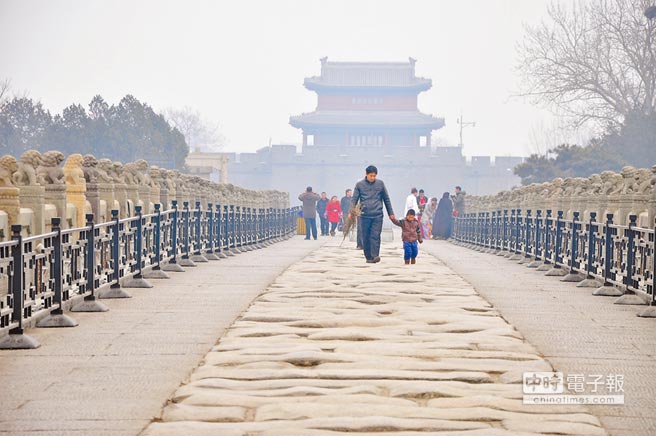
{"x":598,"y":231}
{"x":70,"y":236}
{"x":35,"y":188}
{"x":632,"y":191}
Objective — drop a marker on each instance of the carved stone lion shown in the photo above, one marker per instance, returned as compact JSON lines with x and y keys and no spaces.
{"x":643,"y":178}
{"x":155,"y":175}
{"x":133,"y":172}
{"x":73,"y":169}
{"x":117,"y":172}
{"x":629,"y":175}
{"x":27,"y":165}
{"x":49,"y":172}
{"x":8,"y":166}
{"x":89,"y":164}
{"x":104,"y":170}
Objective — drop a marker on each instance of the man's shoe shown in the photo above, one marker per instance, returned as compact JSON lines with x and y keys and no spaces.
{"x":371,"y":261}
{"x":307,"y":239}
{"x":376,"y":259}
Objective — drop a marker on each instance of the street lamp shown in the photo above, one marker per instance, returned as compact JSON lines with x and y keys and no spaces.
{"x":464,"y":124}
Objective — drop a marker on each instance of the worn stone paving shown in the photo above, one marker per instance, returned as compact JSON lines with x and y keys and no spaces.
{"x":578,"y":333}
{"x":112,"y":373}
{"x":337,"y":346}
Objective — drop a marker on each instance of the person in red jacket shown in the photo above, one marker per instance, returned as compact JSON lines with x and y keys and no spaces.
{"x":334,"y":211}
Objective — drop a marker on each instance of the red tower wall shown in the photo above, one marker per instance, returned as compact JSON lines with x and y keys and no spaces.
{"x":368,"y":102}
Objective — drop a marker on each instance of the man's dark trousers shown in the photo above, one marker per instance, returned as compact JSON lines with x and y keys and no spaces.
{"x":371,"y":229}
{"x":310,"y":225}
{"x":324,"y":225}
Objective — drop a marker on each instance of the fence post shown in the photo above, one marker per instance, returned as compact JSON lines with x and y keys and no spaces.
{"x":115,"y":290}
{"x":236,"y":228}
{"x":557,"y":270}
{"x":173,"y":264}
{"x":476,"y":237}
{"x":516,"y":230}
{"x":527,"y":238}
{"x":546,"y":251}
{"x":267,"y":226}
{"x":90,"y":303}
{"x":17,"y":339}
{"x":608,"y":289}
{"x":197,"y":255}
{"x":227,"y":216}
{"x":278,"y":221}
{"x":137,"y":280}
{"x":261,"y":221}
{"x":186,"y":229}
{"x":650,"y":312}
{"x":488,"y":231}
{"x":574,"y":275}
{"x":503,"y":238}
{"x":496,"y":246}
{"x":219,"y":233}
{"x":210,"y":253}
{"x":510,"y":235}
{"x":57,"y":318}
{"x":537,"y":252}
{"x":248,"y":233}
{"x":590,"y":279}
{"x":257,"y":214}
{"x":630,"y":296}
{"x":156,"y":271}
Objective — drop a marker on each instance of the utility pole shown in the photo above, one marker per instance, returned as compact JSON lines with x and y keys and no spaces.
{"x":464,"y":124}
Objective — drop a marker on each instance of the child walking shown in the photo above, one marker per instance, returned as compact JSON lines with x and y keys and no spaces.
{"x":410,"y":234}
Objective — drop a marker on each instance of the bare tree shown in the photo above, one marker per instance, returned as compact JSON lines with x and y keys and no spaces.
{"x":198,"y":132}
{"x":546,"y":135}
{"x":5,"y":86}
{"x":595,"y":60}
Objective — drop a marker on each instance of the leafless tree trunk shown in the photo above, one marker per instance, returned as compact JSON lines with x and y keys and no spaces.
{"x":5,"y":86}
{"x":595,"y":60}
{"x":197,"y":132}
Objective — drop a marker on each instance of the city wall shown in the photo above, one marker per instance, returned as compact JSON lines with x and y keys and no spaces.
{"x":334,"y":169}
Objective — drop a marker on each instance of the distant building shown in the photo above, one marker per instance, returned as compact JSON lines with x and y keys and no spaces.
{"x":368,"y":106}
{"x":367,"y":113}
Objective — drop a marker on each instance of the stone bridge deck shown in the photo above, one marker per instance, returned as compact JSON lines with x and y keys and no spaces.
{"x":331,"y":345}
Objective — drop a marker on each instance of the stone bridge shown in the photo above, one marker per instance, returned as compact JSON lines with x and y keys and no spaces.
{"x":210,"y":317}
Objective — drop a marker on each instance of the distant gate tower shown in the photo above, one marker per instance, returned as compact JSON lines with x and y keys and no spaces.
{"x":367,"y":105}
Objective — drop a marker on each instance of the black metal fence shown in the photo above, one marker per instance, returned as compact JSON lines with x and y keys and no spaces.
{"x":617,"y":260}
{"x":41,"y":275}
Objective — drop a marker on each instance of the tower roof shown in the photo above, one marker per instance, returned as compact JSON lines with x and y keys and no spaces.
{"x":389,"y":75}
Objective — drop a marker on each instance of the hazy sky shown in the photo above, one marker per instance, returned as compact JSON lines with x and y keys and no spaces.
{"x":242,"y":63}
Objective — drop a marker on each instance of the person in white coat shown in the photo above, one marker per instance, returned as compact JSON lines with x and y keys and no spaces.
{"x":411,"y":201}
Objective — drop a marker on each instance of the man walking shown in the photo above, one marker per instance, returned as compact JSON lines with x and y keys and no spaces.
{"x":372,"y":194}
{"x":323,"y":218}
{"x":346,"y":202}
{"x":411,"y":201}
{"x":309,"y":200}
{"x":459,"y":201}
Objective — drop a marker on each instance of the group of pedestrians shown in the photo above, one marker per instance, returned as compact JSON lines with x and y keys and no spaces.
{"x":331,"y":212}
{"x":436,"y":217}
{"x":423,"y":217}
